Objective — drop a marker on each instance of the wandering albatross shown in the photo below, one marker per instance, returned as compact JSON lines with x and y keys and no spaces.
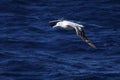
{"x":65,"y":24}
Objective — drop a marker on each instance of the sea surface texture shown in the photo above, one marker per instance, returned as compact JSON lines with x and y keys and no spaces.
{"x":32,"y":50}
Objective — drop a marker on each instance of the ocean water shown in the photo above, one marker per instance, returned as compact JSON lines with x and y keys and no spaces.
{"x":31,"y":50}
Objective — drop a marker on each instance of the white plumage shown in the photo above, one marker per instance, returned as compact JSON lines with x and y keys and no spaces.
{"x":64,"y":24}
{"x":71,"y":25}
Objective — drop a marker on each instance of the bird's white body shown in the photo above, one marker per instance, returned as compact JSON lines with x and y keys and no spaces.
{"x":64,"y":24}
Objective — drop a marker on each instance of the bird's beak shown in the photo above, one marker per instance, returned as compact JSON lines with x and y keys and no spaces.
{"x":54,"y":26}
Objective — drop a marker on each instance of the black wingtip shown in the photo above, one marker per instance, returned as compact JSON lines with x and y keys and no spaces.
{"x":53,"y":23}
{"x":94,"y":47}
{"x":90,"y":44}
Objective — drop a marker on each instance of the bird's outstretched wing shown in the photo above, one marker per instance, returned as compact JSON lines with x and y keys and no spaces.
{"x":80,"y":32}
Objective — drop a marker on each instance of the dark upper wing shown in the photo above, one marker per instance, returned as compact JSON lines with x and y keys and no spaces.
{"x":81,"y":33}
{"x":54,"y":22}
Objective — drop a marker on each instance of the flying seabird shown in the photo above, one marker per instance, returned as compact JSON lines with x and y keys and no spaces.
{"x":65,"y":24}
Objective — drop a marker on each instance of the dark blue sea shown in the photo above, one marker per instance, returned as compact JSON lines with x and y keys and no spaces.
{"x":31,"y":50}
